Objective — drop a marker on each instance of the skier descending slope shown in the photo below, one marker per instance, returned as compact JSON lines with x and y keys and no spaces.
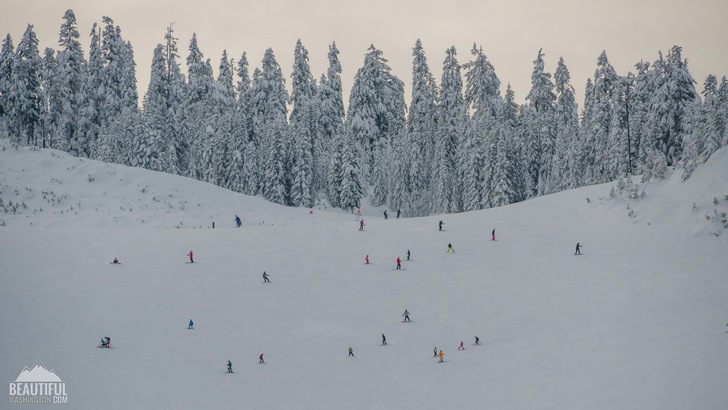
{"x":230,"y":367}
{"x":406,"y":316}
{"x":492,"y":235}
{"x":384,"y":340}
{"x":265,"y":278}
{"x":399,"y":263}
{"x":190,"y":325}
{"x":578,"y":249}
{"x":361,"y":225}
{"x":450,"y":249}
{"x":191,"y":257}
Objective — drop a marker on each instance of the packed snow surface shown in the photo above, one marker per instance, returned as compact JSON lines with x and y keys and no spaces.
{"x":637,"y":321}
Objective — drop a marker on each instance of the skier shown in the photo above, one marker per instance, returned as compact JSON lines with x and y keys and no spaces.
{"x":230,"y":367}
{"x":265,"y":278}
{"x":461,"y":347}
{"x":261,"y":361}
{"x":408,"y":254}
{"x":385,"y":214}
{"x":384,"y":340}
{"x":441,"y":356}
{"x":106,"y":342}
{"x":399,"y":263}
{"x":116,"y":261}
{"x":358,"y":214}
{"x":450,"y":249}
{"x":434,"y":351}
{"x":578,"y":247}
{"x":492,"y":235}
{"x":440,"y":225}
{"x":190,"y":325}
{"x":406,"y":316}
{"x":366,"y":260}
{"x":361,"y":225}
{"x":351,"y":352}
{"x":103,"y":342}
{"x":477,"y":341}
{"x":398,"y":213}
{"x":237,"y":221}
{"x":190,"y":255}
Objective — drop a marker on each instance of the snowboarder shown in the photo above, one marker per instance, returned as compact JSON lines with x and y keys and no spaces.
{"x":351,"y":352}
{"x":492,"y":235}
{"x":265,"y":278}
{"x":578,"y":249}
{"x":450,"y":249}
{"x":399,"y":213}
{"x":399,"y":263}
{"x":434,"y":351}
{"x":116,"y":261}
{"x":441,"y":356}
{"x":190,"y":325}
{"x":230,"y":367}
{"x":358,"y":214}
{"x":406,"y":316}
{"x":261,"y":361}
{"x":477,"y":341}
{"x":384,"y":340}
{"x":385,"y":214}
{"x":366,"y":260}
{"x":361,"y":225}
{"x":408,"y":254}
{"x":440,"y":225}
{"x":190,"y":255}
{"x":461,"y":347}
{"x":237,"y":221}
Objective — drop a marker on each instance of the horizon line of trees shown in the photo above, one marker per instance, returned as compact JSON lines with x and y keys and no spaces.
{"x":458,"y":146}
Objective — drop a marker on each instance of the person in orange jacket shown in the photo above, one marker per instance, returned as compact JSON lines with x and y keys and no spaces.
{"x":441,"y":356}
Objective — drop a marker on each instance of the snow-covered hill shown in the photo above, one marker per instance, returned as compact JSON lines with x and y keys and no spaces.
{"x":638,"y":321}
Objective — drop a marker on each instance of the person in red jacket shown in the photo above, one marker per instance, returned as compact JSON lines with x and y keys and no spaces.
{"x":366,"y":260}
{"x":399,"y":263}
{"x":261,"y":361}
{"x":191,"y":259}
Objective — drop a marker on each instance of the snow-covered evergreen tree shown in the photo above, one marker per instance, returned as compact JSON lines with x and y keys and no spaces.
{"x":352,"y":189}
{"x":7,"y":56}
{"x":417,"y":153}
{"x":446,"y":191}
{"x":540,"y":129}
{"x":70,"y":80}
{"x":707,"y":130}
{"x":568,"y":151}
{"x":330,"y":129}
{"x":303,"y":123}
{"x":673,"y":98}
{"x":25,"y":95}
{"x":376,"y":107}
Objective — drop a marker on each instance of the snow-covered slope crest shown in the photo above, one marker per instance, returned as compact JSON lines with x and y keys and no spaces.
{"x":697,"y":206}
{"x":50,"y":188}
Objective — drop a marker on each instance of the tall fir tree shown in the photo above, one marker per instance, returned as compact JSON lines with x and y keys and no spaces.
{"x":25,"y":95}
{"x":540,"y":130}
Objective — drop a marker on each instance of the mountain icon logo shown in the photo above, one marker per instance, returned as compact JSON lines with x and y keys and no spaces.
{"x":37,"y":373}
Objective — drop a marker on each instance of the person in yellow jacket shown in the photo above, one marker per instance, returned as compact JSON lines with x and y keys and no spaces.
{"x":441,"y":356}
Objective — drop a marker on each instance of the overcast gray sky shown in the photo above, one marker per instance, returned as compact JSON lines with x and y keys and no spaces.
{"x":510,"y":32}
